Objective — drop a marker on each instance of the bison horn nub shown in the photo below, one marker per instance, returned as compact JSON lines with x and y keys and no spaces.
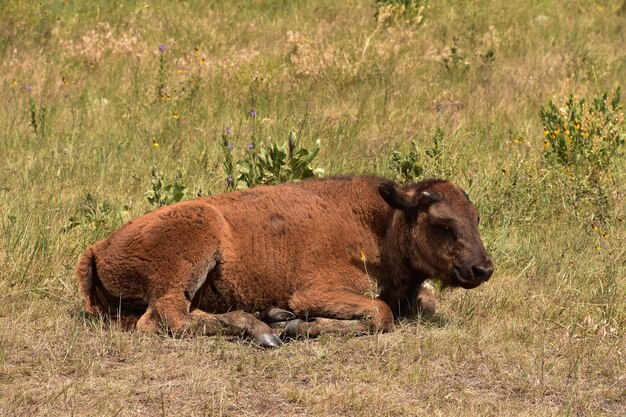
{"x":427,"y":198}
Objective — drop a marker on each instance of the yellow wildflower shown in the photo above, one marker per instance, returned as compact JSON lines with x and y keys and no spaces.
{"x":546,"y":144}
{"x":504,"y":171}
{"x":546,"y":131}
{"x":605,"y":235}
{"x":585,"y":133}
{"x":175,"y":116}
{"x":597,"y":247}
{"x":181,"y":71}
{"x":577,"y":126}
{"x":155,"y":144}
{"x":14,"y":81}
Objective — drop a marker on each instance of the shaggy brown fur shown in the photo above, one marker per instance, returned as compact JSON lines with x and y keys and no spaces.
{"x":350,"y":252}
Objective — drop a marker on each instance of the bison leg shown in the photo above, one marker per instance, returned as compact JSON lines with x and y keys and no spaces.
{"x":337,"y":311}
{"x":235,"y":323}
{"x":411,"y":305}
{"x":172,"y":311}
{"x":297,"y":328}
{"x":427,"y":303}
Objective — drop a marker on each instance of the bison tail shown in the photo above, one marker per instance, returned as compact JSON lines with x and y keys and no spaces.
{"x":95,"y":302}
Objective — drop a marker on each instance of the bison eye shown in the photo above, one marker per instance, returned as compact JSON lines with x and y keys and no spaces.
{"x":445,"y":229}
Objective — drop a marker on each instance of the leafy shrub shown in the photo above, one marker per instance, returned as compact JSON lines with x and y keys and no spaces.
{"x":406,"y":166}
{"x":97,"y":215}
{"x":412,"y":165}
{"x":455,"y":60}
{"x":581,"y":143}
{"x":161,"y":193}
{"x":269,"y":163}
{"x":584,"y":137}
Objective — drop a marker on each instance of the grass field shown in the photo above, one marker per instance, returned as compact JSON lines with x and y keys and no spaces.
{"x":94,"y":94}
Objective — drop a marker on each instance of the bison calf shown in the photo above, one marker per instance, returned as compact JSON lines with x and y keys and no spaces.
{"x":335,"y":255}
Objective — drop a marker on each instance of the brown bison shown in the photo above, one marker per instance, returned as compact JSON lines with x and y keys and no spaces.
{"x":335,"y":255}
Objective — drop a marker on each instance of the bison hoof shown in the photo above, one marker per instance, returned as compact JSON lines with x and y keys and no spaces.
{"x":276,"y":315}
{"x":292,"y":331}
{"x":268,"y":340}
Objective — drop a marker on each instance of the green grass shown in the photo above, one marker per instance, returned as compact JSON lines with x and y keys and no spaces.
{"x":546,"y":336}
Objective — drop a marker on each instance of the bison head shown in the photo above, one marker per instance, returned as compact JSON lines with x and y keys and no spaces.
{"x":436,"y":228}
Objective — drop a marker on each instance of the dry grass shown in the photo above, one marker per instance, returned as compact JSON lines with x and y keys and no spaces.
{"x":546,"y":336}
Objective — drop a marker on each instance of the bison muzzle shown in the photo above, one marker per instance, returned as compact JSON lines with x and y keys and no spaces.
{"x":319,"y":256}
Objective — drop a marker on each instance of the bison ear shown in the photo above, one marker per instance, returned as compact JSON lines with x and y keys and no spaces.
{"x":394,"y":196}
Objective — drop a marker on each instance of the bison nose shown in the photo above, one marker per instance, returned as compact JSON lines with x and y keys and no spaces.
{"x":481,"y":273}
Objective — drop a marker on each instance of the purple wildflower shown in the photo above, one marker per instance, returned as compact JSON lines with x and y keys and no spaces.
{"x":227,"y":131}
{"x":231,"y":146}
{"x":29,"y":87}
{"x":162,"y":47}
{"x":229,"y":180}
{"x":250,"y":145}
{"x":253,"y":113}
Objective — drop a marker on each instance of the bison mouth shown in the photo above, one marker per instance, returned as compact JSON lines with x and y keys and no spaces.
{"x":464,"y":280}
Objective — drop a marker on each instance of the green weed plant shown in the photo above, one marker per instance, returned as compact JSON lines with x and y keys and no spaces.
{"x":268,"y":163}
{"x":583,"y":136}
{"x":411,"y":166}
{"x":163,"y":192}
{"x":97,"y":215}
